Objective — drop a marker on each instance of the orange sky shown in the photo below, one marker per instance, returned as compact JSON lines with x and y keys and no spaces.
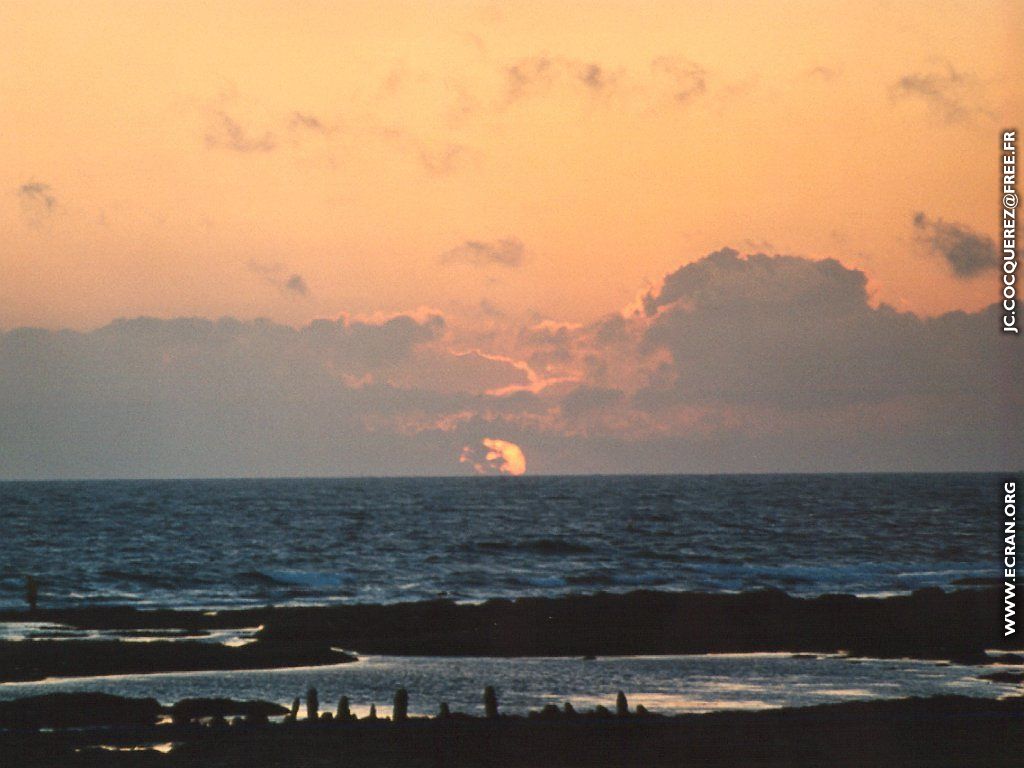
{"x":181,"y":159}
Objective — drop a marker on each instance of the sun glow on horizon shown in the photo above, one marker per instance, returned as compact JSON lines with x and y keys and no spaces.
{"x":502,"y":456}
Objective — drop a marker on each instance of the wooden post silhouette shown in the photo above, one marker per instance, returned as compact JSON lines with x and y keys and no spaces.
{"x":621,"y":705}
{"x":490,"y":703}
{"x":344,"y":713}
{"x":312,"y":705}
{"x":31,"y":592}
{"x":400,"y":712}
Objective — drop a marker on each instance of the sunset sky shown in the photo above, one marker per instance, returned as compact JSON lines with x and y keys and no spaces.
{"x":397,"y":230}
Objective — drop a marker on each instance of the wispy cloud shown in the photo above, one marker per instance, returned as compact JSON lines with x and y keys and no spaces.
{"x":536,"y":74}
{"x":687,"y":79}
{"x":966,"y":252}
{"x":38,"y":202}
{"x":301,"y":121}
{"x":38,"y":192}
{"x":507,"y":252}
{"x":276,"y":275}
{"x":952,"y":94}
{"x":823,"y":73}
{"x":227,"y":133}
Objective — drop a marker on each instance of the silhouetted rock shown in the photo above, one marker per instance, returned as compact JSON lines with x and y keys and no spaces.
{"x":35,"y":660}
{"x":929,"y":624}
{"x":373,"y":712}
{"x":327,"y":717}
{"x":77,"y":710}
{"x":293,"y":715}
{"x":344,"y":712}
{"x":445,"y":712}
{"x":259,"y":718}
{"x":569,"y":709}
{"x":197,"y":709}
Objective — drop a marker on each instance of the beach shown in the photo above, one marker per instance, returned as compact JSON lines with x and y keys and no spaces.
{"x":442,"y":587}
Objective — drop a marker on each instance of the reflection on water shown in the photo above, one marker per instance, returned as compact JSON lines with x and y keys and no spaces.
{"x":669,"y":684}
{"x":163,"y":747}
{"x":31,"y":630}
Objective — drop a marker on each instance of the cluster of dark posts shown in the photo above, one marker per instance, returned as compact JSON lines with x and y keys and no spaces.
{"x":91,"y":730}
{"x":259,"y":713}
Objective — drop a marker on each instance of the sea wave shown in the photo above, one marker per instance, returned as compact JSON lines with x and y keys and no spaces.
{"x":540,"y":546}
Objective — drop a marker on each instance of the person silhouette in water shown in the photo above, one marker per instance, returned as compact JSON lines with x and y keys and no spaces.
{"x":31,"y":592}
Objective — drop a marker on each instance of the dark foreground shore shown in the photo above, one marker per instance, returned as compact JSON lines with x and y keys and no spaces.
{"x":928,"y":624}
{"x":28,"y":660}
{"x":946,"y":731}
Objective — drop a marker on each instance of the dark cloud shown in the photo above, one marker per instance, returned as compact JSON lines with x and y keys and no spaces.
{"x":227,"y":133}
{"x":296,"y":284}
{"x":38,"y":203}
{"x":529,"y":73}
{"x":301,"y":121}
{"x":507,"y":252}
{"x":584,"y":400}
{"x":793,"y":333}
{"x":967,"y":253}
{"x":596,"y":77}
{"x":275,"y":275}
{"x":536,"y":74}
{"x":723,"y":281}
{"x":38,"y":193}
{"x":192,"y":397}
{"x":737,"y":363}
{"x":953,"y":95}
{"x":373,"y":344}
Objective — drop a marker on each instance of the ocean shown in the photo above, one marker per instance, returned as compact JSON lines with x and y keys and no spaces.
{"x":222,"y":543}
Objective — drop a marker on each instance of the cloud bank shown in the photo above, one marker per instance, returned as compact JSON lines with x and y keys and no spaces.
{"x":733,"y":363}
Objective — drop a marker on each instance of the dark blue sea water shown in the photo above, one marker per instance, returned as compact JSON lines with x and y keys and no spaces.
{"x":317,"y":541}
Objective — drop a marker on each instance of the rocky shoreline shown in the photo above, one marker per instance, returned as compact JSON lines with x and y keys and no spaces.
{"x":927,"y":624}
{"x":939,"y":731}
{"x":30,"y":660}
